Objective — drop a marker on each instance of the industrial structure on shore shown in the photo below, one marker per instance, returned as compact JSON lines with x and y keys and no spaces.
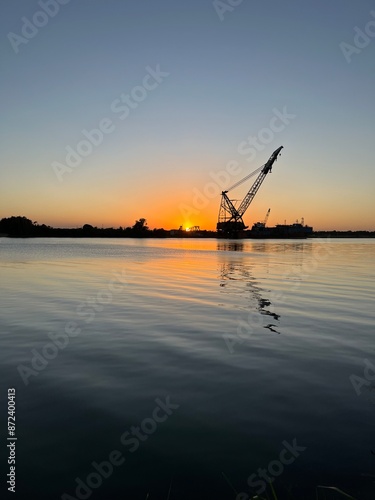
{"x":230,"y":222}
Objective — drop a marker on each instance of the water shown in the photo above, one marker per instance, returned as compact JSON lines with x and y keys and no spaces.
{"x":252,"y":342}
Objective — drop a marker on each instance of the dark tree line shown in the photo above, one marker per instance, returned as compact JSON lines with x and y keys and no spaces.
{"x":21,"y":227}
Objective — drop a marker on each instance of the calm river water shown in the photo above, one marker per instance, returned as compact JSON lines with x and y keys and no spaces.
{"x":189,"y":369}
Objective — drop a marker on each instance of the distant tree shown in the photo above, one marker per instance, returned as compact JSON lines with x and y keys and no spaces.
{"x":17,"y":226}
{"x":87,"y":227}
{"x":140,"y":225}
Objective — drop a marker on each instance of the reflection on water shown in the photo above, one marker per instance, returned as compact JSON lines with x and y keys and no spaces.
{"x":263,"y":246}
{"x":231,"y":246}
{"x":162,"y":334}
{"x":236,"y":277}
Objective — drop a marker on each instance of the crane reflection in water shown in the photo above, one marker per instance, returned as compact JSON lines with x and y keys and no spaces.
{"x":236,"y":272}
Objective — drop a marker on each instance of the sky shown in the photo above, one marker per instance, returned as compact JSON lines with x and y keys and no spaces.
{"x":115,"y":110}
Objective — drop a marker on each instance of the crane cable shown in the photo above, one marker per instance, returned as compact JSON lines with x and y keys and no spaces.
{"x":245,"y":178}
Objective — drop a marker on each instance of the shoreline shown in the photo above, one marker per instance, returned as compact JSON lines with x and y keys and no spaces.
{"x":110,"y":233}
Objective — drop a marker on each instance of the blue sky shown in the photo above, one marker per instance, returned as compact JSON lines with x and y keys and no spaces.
{"x":225,"y":79}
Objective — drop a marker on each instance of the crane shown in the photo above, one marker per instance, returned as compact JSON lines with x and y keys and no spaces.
{"x":262,"y":225}
{"x":266,"y":217}
{"x":230,"y":218}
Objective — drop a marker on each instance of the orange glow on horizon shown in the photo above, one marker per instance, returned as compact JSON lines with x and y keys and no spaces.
{"x":169,"y":201}
{"x":205,"y":220}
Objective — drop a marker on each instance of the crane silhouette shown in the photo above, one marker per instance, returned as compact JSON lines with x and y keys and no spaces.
{"x":230,"y":219}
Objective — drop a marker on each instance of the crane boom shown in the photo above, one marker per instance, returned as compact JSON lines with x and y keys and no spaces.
{"x":258,"y":182}
{"x":230,"y":217}
{"x":266,"y":217}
